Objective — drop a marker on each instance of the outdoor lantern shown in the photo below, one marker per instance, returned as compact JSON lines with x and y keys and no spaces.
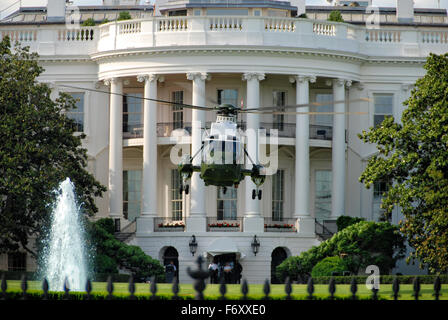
{"x":193,"y":245}
{"x":255,"y":245}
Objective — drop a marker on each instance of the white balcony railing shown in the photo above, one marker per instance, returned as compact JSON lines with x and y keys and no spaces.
{"x":202,"y":31}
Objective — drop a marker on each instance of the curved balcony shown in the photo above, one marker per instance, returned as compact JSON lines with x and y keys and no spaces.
{"x":274,"y":33}
{"x":285,"y":130}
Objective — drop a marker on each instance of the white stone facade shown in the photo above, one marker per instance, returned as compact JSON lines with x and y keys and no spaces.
{"x":303,"y":59}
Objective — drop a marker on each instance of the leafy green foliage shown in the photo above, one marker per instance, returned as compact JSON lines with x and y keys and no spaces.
{"x":124,"y":15}
{"x":327,"y":266}
{"x":89,"y":23}
{"x":413,"y":158}
{"x":112,"y":254}
{"x":335,"y":16}
{"x":38,"y":150}
{"x":362,"y":244}
{"x":343,"y":222}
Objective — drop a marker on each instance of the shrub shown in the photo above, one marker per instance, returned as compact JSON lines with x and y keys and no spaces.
{"x":112,"y":254}
{"x":303,"y":15}
{"x":344,"y":221}
{"x":89,"y":23}
{"x":105,"y":21}
{"x":335,"y":16}
{"x":124,"y":15}
{"x":327,"y":266}
{"x":362,"y":244}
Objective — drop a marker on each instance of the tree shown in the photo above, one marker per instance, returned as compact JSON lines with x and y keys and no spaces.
{"x":38,"y":150}
{"x":124,"y":15}
{"x":335,"y":16}
{"x":112,"y":254}
{"x":413,"y":159}
{"x":361,"y":244}
{"x":343,"y":222}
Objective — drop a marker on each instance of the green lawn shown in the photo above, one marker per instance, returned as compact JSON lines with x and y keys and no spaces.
{"x":255,"y":290}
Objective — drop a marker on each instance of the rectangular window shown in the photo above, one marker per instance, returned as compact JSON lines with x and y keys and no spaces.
{"x":324,"y":119}
{"x":227,"y":203}
{"x":279,"y":100}
{"x":322,"y":201}
{"x":383,"y":104}
{"x":176,"y":196}
{"x":132,"y":114}
{"x":132,"y":186}
{"x":178,"y":111}
{"x":379,"y":188}
{"x":17,"y":261}
{"x":77,"y":114}
{"x":278,"y":187}
{"x":228,"y":96}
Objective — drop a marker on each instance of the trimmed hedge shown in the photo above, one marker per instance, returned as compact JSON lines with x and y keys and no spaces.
{"x":78,"y":296}
{"x":385,"y":279}
{"x":98,"y":277}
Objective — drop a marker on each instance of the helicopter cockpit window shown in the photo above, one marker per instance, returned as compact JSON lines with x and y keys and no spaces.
{"x":228,"y":151}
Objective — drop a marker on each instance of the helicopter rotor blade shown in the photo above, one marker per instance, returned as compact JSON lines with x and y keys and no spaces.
{"x":159,"y":101}
{"x":311,"y":104}
{"x":312,"y":113}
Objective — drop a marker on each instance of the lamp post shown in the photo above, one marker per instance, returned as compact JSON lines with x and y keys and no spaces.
{"x":193,"y":245}
{"x":255,"y":245}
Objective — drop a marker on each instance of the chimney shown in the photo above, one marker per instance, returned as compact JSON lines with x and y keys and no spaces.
{"x":56,"y":10}
{"x":300,"y":4}
{"x":405,"y":11}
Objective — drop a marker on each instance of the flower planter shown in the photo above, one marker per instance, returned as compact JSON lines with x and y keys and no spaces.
{"x":224,"y":229}
{"x":272,"y":229}
{"x":171,"y":229}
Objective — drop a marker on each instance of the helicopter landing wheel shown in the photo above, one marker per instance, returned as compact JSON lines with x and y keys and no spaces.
{"x":259,"y":194}
{"x":254,"y":194}
{"x":224,"y":190}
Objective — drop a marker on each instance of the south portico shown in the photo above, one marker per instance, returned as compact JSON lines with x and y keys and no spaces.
{"x":196,"y":219}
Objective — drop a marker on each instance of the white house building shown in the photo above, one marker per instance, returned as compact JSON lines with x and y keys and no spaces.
{"x":246,"y":52}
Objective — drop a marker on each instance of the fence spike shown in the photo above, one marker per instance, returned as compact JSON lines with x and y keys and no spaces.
{"x":88,"y":288}
{"x":374,"y":294}
{"x":175,"y":288}
{"x":24,"y":286}
{"x":416,"y":285}
{"x":66,"y":288}
{"x":310,"y":288}
{"x":396,"y":288}
{"x":354,"y":288}
{"x":45,"y":289}
{"x":266,"y":289}
{"x":244,"y":289}
{"x":332,"y":288}
{"x":131,"y":287}
{"x":4,"y":286}
{"x":153,"y":288}
{"x":288,"y":288}
{"x":437,"y":288}
{"x":110,"y":287}
{"x":222,"y":288}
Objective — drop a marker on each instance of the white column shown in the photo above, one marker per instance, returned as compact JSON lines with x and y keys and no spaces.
{"x":253,"y":221}
{"x":305,"y":223}
{"x":149,"y":184}
{"x":338,"y":150}
{"x":115,"y":148}
{"x":197,"y":219}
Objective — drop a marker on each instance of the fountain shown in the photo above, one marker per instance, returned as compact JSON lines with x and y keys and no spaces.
{"x":65,"y":255}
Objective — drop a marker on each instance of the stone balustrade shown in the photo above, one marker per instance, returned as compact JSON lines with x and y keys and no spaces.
{"x":290,"y":33}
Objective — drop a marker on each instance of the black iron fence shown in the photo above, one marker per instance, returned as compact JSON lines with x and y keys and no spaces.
{"x":200,"y":276}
